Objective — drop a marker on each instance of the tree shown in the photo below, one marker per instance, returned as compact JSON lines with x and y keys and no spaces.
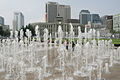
{"x":1,"y":30}
{"x":5,"y":33}
{"x":31,"y":28}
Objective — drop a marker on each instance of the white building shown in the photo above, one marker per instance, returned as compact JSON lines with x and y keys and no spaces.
{"x":53,"y":27}
{"x":18,"y":21}
{"x":116,"y":22}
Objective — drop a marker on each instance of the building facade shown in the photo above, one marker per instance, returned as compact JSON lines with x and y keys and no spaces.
{"x":116,"y":22}
{"x":72,"y":21}
{"x":53,"y":27}
{"x":95,"y":18}
{"x":54,"y":10}
{"x":18,"y":21}
{"x":107,"y":21}
{"x":84,"y":16}
{"x":64,"y":11}
{"x":110,"y":23}
{"x":104,"y":20}
{"x":1,"y":20}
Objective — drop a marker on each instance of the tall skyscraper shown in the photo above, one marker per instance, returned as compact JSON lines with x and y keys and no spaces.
{"x":18,"y":21}
{"x":95,"y":18}
{"x":84,"y":16}
{"x":55,"y":10}
{"x":51,"y":11}
{"x":64,"y":11}
{"x":1,"y":20}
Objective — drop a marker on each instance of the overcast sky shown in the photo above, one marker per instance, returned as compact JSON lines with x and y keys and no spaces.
{"x":34,"y":10}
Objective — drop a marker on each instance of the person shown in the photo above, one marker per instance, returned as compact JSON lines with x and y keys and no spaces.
{"x":73,"y":45}
{"x":65,"y":44}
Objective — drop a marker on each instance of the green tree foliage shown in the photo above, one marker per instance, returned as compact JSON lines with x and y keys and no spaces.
{"x":1,"y":30}
{"x":5,"y":33}
{"x":30,"y":27}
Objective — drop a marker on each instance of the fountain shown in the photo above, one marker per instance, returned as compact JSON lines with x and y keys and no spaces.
{"x":21,"y":34}
{"x":37,"y":33}
{"x":60,"y":34}
{"x":20,"y":58}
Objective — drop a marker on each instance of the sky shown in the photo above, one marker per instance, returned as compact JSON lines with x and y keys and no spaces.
{"x":34,"y":10}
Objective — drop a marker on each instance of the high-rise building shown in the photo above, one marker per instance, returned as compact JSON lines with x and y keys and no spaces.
{"x":51,"y":11}
{"x":64,"y":11}
{"x":104,"y":20}
{"x":84,"y":16}
{"x":109,"y":22}
{"x":18,"y":21}
{"x":116,"y":22}
{"x":1,"y":20}
{"x":55,"y":11}
{"x":95,"y":18}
